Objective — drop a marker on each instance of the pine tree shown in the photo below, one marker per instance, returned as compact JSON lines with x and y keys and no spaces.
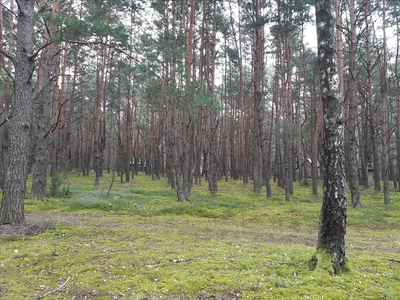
{"x":12,"y":205}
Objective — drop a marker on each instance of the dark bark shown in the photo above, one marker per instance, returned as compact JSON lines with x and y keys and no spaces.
{"x":286,"y":62}
{"x":371,"y":106}
{"x":331,"y":236}
{"x":213,"y":160}
{"x":316,"y":110}
{"x":398,"y":102}
{"x":1,"y":47}
{"x":384,"y":94}
{"x":99,"y":119}
{"x":184,"y":176}
{"x":42,"y":116}
{"x":12,"y":206}
{"x":213,"y":156}
{"x":258,"y":97}
{"x":4,"y":130}
{"x":351,"y":157}
{"x":363,"y":134}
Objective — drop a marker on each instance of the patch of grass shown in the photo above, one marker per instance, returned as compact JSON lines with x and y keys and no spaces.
{"x":140,"y":243}
{"x":91,"y":201}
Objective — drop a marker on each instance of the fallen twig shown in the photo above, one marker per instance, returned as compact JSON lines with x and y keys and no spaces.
{"x":394,"y":260}
{"x":56,"y":290}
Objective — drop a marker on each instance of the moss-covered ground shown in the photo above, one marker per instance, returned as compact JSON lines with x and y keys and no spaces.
{"x":140,"y":243}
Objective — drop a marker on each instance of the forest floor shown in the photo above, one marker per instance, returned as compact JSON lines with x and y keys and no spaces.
{"x":135,"y":241}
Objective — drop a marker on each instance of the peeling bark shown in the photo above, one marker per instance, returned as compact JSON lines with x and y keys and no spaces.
{"x":332,"y":231}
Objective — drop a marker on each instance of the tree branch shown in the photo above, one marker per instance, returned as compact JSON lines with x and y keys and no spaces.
{"x":54,"y":291}
{"x":33,"y":56}
{"x":9,"y":10}
{"x":55,"y":125}
{"x":99,"y":43}
{"x":6,"y":120}
{"x":7,"y":55}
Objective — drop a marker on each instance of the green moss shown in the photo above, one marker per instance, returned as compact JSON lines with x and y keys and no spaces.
{"x":235,"y":245}
{"x":322,"y":263}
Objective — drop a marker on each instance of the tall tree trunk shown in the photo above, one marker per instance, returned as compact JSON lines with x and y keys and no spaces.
{"x":352,"y":158}
{"x":278,"y":90}
{"x":267,"y":157}
{"x":43,"y":113}
{"x":185,"y":174}
{"x":363,"y":140}
{"x":303,"y":158}
{"x":62,"y":159}
{"x":213,"y":157}
{"x":12,"y":205}
{"x":316,"y":105}
{"x":4,"y":130}
{"x":99,"y":121}
{"x":372,"y":110}
{"x":258,"y":96}
{"x":398,"y":100}
{"x":288,"y":127}
{"x":242,"y":157}
{"x":55,"y":115}
{"x":384,"y":94}
{"x":1,"y":47}
{"x":1,"y":98}
{"x":331,"y":236}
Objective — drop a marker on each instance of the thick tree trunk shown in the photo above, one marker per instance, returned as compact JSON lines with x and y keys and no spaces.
{"x":331,"y":236}
{"x":12,"y":206}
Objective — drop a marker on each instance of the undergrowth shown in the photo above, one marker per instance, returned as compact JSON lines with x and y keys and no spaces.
{"x":140,"y":243}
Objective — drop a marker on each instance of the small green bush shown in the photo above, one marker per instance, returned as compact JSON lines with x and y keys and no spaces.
{"x":55,"y":189}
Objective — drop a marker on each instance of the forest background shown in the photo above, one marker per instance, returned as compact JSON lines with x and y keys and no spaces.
{"x":197,"y":90}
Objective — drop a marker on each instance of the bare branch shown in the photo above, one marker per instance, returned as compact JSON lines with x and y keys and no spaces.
{"x":54,"y":291}
{"x":7,"y":55}
{"x":33,"y":56}
{"x":9,"y":10}
{"x":6,"y":120}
